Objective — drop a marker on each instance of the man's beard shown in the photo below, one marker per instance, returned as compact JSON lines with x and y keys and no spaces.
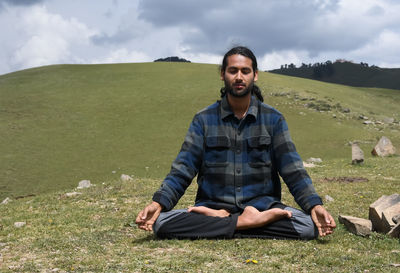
{"x":236,"y":94}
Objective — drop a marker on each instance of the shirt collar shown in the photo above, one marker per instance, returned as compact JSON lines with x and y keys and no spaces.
{"x":226,"y":109}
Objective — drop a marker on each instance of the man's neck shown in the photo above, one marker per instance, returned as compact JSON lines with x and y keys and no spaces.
{"x":239,"y":105}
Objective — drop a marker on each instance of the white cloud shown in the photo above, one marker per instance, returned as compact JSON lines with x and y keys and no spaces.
{"x":123,"y":55}
{"x":277,"y":58}
{"x":47,"y":38}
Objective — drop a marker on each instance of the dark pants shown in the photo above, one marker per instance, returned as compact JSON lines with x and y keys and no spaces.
{"x":180,"y":224}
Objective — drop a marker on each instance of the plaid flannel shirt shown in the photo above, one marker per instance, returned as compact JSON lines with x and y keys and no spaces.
{"x":238,"y":163}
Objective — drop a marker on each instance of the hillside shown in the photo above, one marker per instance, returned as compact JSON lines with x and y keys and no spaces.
{"x":65,"y":123}
{"x":347,"y":73}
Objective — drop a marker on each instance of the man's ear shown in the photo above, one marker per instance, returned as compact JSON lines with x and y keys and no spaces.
{"x":222,"y":75}
{"x":256,"y":76}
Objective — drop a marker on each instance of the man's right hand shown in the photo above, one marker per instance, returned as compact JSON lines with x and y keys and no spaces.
{"x":148,"y":216}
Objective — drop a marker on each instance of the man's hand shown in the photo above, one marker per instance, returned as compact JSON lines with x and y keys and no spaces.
{"x":148,"y":216}
{"x":323,"y":220}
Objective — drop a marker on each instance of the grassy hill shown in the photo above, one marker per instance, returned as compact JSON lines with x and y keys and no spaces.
{"x":61,"y":124}
{"x":347,"y":73}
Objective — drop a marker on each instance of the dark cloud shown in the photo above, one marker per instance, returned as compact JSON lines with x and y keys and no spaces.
{"x":20,"y":2}
{"x":212,"y":26}
{"x":4,"y":3}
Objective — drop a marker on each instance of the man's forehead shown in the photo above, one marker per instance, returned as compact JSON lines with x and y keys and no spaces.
{"x":239,"y":60}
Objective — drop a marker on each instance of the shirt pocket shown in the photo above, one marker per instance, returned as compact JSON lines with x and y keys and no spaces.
{"x":258,"y":151}
{"x":216,"y":152}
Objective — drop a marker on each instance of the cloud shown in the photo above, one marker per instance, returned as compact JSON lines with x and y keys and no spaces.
{"x":270,"y":27}
{"x":123,"y":55}
{"x":47,"y":38}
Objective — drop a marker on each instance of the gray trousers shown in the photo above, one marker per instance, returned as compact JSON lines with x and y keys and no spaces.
{"x":180,"y":224}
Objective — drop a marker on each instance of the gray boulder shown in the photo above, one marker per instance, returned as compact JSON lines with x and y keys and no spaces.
{"x":355,"y":225}
{"x":378,"y":207}
{"x":384,"y":147}
{"x":357,"y":155}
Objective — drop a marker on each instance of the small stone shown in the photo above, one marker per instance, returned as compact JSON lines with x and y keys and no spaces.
{"x":84,"y":184}
{"x":357,"y":226}
{"x":367,"y":122}
{"x":329,"y":198}
{"x":71,"y":194}
{"x":314,"y":160}
{"x":396,"y":219}
{"x":126,"y":178}
{"x":308,"y":165}
{"x":114,"y":172}
{"x":388,"y":120}
{"x":6,"y":201}
{"x":19,"y":224}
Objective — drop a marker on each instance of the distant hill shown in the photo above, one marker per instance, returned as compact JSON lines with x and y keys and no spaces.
{"x":347,"y":73}
{"x":172,"y":59}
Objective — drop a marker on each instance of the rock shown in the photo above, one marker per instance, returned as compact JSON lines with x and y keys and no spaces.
{"x":357,"y":155}
{"x":329,"y":198}
{"x":357,"y":226}
{"x":388,"y":120}
{"x":346,"y":110}
{"x":396,"y":219}
{"x":367,"y":122}
{"x":308,"y":165}
{"x":6,"y":201}
{"x":19,"y":224}
{"x":84,"y":184}
{"x":314,"y":160}
{"x":126,"y":178}
{"x":71,"y":194}
{"x":395,"y":231}
{"x":376,"y":209}
{"x":384,"y":147}
{"x":387,"y":216}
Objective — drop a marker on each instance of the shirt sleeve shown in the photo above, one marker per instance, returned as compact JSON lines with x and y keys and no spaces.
{"x":291,"y":169}
{"x":184,"y":168}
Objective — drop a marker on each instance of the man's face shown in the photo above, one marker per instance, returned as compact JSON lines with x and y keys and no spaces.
{"x":239,"y":75}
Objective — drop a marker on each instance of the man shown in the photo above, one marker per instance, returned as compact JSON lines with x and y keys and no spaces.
{"x":238,"y":147}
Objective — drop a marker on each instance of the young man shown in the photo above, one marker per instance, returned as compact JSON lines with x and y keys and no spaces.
{"x":239,"y":148}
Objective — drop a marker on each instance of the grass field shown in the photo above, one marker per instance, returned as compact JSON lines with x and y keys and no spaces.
{"x":95,"y":231}
{"x":62,"y":124}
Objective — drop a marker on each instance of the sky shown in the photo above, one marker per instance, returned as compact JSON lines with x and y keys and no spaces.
{"x":44,"y":32}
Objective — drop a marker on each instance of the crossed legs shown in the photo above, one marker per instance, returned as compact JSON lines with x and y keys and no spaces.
{"x":250,"y":218}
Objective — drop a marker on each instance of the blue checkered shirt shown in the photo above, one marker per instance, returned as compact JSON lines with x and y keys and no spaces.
{"x":238,"y":163}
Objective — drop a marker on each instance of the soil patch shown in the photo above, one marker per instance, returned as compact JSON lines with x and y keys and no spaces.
{"x":345,"y":179}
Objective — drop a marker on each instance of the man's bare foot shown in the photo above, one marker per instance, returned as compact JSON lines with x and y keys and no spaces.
{"x":209,"y":212}
{"x":253,"y":218}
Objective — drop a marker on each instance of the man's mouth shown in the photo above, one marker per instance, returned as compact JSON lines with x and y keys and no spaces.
{"x":239,"y":86}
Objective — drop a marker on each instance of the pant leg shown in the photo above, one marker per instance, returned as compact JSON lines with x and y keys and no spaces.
{"x":299,"y":226}
{"x":180,"y":224}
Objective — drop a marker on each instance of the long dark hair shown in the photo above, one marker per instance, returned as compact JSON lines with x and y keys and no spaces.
{"x":244,"y":51}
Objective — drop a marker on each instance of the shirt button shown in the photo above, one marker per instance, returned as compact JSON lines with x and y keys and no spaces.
{"x":238,"y":151}
{"x":238,"y":170}
{"x":238,"y":189}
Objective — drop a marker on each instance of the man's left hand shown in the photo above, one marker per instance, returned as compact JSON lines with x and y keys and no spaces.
{"x":323,"y":220}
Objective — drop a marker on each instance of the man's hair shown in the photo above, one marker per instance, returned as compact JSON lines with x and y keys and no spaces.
{"x":244,"y":51}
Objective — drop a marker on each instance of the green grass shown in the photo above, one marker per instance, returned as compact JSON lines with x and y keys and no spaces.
{"x":95,"y":231}
{"x":65,"y":123}
{"x":62,"y":124}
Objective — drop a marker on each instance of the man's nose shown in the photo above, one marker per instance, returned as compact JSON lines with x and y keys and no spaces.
{"x":239,"y":76}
